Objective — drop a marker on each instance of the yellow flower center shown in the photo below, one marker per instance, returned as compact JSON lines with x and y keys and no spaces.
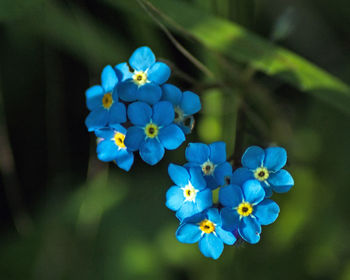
{"x":151,"y":130}
{"x":261,"y":173}
{"x":208,"y":168}
{"x":119,"y":140}
{"x":190,"y":192}
{"x":207,"y":226}
{"x":140,"y":78}
{"x":107,"y":101}
{"x":244,"y":209}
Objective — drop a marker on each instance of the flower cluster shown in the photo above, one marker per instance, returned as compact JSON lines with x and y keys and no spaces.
{"x":244,"y":205}
{"x":135,"y":110}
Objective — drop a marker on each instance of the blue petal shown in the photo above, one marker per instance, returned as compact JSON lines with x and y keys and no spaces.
{"x":211,"y":182}
{"x":139,"y":113}
{"x":172,"y":94}
{"x":142,"y":59}
{"x":107,"y":150}
{"x":190,"y":103}
{"x":94,"y":97}
{"x":104,"y":133}
{"x":123,"y":71}
{"x":163,"y":113}
{"x":253,"y":157}
{"x":221,"y":172}
{"x":117,"y":113}
{"x":275,"y":158}
{"x":188,"y":233}
{"x":253,"y":192}
{"x":178,"y":174}
{"x":159,"y":73}
{"x":230,"y":218}
{"x":281,"y":181}
{"x":127,"y":91}
{"x":171,"y":136}
{"x":226,"y":236}
{"x":217,"y":152}
{"x":197,"y":152}
{"x":125,"y":159}
{"x":118,"y":127}
{"x":96,"y":119}
{"x":241,"y":175}
{"x":108,"y":78}
{"x":174,"y":198}
{"x":134,"y":137}
{"x":151,"y":151}
{"x":267,"y":189}
{"x":211,"y":246}
{"x":214,"y":216}
{"x":187,"y":209}
{"x":149,"y":93}
{"x":197,"y":179}
{"x":230,"y":196}
{"x":249,"y":229}
{"x":204,"y":199}
{"x":266,"y":211}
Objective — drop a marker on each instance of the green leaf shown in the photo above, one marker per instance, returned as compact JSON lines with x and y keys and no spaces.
{"x":241,"y":45}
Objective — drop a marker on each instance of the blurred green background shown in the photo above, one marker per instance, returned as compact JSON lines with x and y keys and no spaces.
{"x":64,"y":215}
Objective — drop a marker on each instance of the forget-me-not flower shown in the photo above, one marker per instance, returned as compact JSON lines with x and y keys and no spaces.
{"x":111,"y":146}
{"x":211,"y":160}
{"x":206,"y":229}
{"x":190,"y":195}
{"x":266,"y":167}
{"x":102,"y":101}
{"x":246,"y":209}
{"x":185,"y":105}
{"x":143,"y":81}
{"x":153,"y":130}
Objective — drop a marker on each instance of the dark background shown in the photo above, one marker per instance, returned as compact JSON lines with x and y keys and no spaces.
{"x":64,"y":215}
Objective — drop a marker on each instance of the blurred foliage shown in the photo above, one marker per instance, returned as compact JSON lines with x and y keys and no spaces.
{"x":64,"y":215}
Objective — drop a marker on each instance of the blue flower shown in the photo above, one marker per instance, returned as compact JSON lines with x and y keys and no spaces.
{"x":206,"y":228}
{"x":266,"y":167}
{"x":246,"y":210}
{"x":153,"y":130}
{"x":111,"y":146}
{"x":103,"y":103}
{"x":185,"y":105}
{"x":143,"y":83}
{"x":190,"y":195}
{"x":211,"y":160}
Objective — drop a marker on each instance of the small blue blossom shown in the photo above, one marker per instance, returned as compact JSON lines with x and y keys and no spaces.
{"x":111,"y":146}
{"x":206,"y":229}
{"x":102,"y":101}
{"x":153,"y":130}
{"x":190,"y":195}
{"x":185,"y":105}
{"x":246,"y":209}
{"x":211,"y":160}
{"x":143,"y":82}
{"x":266,"y":167}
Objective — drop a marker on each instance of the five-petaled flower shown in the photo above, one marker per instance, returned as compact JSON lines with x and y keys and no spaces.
{"x":246,"y":209}
{"x":185,"y":105}
{"x":206,"y":229}
{"x":211,"y":160}
{"x":266,"y":167}
{"x":111,"y":146}
{"x":153,"y":130}
{"x":143,"y":81}
{"x":190,"y":195}
{"x":102,"y":101}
